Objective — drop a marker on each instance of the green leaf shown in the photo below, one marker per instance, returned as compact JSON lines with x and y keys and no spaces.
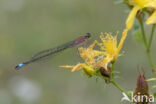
{"x":137,"y":33}
{"x":151,"y":79}
{"x":154,"y":95}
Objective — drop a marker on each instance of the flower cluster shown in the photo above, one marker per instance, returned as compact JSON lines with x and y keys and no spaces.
{"x":99,"y":60}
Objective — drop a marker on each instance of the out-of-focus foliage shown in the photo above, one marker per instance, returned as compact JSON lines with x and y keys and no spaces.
{"x":28,"y":26}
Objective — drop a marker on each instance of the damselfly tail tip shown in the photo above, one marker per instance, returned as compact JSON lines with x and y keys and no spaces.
{"x":19,"y":66}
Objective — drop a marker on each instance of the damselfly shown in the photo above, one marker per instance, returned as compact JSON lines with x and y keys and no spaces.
{"x":55,"y":50}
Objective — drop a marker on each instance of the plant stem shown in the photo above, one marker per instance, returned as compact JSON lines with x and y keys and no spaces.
{"x":150,"y":60}
{"x":122,"y":90}
{"x":143,"y":34}
{"x":151,"y":37}
{"x":112,"y":73}
{"x":114,"y":83}
{"x":147,"y":46}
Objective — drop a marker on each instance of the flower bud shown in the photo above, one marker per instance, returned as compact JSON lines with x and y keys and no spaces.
{"x":88,"y":70}
{"x":141,"y":92}
{"x":105,"y":72}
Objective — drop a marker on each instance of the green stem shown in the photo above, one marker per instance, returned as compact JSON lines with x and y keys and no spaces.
{"x":149,"y":47}
{"x":150,"y":60}
{"x":112,"y":73}
{"x":122,"y":90}
{"x":151,"y":37}
{"x":114,"y":83}
{"x":143,"y":34}
{"x":146,"y":44}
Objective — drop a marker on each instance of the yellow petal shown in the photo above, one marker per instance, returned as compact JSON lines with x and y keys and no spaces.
{"x":89,"y":54}
{"x":97,"y":53}
{"x":151,"y":3}
{"x":124,"y":34}
{"x":143,"y":3}
{"x":131,"y":17}
{"x":152,"y":19}
{"x":67,"y":66}
{"x":105,"y":62}
{"x":109,"y":42}
{"x":77,"y":67}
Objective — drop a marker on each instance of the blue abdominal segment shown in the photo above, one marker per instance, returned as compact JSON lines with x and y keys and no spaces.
{"x":19,"y":66}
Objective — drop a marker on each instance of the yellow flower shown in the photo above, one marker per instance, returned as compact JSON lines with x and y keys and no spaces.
{"x":88,"y":54}
{"x":138,"y":5}
{"x":99,"y":58}
{"x":111,"y":48}
{"x":152,"y":19}
{"x":87,"y":69}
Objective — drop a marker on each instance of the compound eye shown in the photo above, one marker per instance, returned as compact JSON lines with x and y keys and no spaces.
{"x":88,"y":35}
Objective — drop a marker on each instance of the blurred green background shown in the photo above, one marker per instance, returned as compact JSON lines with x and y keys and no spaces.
{"x":28,"y":26}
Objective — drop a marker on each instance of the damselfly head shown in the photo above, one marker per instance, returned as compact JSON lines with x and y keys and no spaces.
{"x":88,"y":35}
